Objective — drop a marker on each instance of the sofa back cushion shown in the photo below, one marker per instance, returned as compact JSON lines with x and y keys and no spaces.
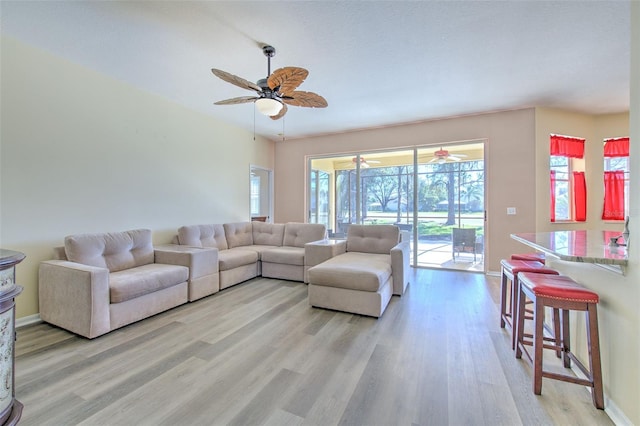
{"x":115,"y":251}
{"x":372,"y":238}
{"x":238,"y":234}
{"x":202,"y":236}
{"x":267,"y":234}
{"x":298,"y":234}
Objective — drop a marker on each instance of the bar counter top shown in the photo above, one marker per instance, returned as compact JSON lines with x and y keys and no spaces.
{"x":578,"y":246}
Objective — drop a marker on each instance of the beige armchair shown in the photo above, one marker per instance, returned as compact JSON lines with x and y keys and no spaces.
{"x":361,"y":273}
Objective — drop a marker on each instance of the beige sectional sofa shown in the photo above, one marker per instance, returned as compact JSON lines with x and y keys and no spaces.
{"x":100,"y":282}
{"x":104,"y":281}
{"x":250,"y":249}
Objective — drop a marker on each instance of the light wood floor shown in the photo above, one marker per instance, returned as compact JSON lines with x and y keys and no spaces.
{"x":256,"y":353}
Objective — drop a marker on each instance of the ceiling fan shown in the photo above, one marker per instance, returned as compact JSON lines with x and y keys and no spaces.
{"x":442,"y":156}
{"x":365,"y":164}
{"x":275,"y":92}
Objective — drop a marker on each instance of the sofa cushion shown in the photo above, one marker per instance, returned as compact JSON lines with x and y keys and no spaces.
{"x":284,"y":255}
{"x":115,"y":251}
{"x":372,"y":238}
{"x":135,"y":282}
{"x":233,"y":258}
{"x":238,"y":234}
{"x":203,"y":236}
{"x":267,"y":234}
{"x":353,"y":270}
{"x":298,"y":234}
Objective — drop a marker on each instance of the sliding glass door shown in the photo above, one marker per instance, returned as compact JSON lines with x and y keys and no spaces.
{"x":319,"y":197}
{"x":451,"y":198}
{"x":426,"y":191}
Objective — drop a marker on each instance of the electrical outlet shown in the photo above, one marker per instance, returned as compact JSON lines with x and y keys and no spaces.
{"x":511,"y":210}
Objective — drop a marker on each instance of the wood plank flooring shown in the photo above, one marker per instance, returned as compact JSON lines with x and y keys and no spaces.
{"x":258,"y":354}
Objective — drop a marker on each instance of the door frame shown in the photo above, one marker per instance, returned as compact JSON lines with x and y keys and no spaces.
{"x":269,"y":173}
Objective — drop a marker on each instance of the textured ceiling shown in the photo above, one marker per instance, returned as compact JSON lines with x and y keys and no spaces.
{"x":377,"y":63}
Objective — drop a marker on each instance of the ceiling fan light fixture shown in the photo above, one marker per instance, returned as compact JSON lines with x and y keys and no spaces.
{"x":268,"y":106}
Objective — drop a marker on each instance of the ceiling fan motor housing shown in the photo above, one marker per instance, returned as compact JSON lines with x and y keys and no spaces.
{"x":269,"y":51}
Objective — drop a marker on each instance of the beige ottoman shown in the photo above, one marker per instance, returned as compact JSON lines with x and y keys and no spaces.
{"x":355,"y":282}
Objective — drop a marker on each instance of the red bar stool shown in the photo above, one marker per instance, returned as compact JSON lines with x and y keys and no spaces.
{"x":564,"y":294}
{"x":533,"y":257}
{"x":509,"y":291}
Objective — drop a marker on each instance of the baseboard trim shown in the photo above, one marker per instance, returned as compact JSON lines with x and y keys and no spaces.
{"x":494,"y":273}
{"x":31,"y":319}
{"x":616,"y":415}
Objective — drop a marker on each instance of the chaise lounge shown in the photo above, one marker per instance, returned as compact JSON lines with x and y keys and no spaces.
{"x":359,"y":275}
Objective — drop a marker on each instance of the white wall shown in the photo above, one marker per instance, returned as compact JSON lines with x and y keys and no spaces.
{"x":81,"y":152}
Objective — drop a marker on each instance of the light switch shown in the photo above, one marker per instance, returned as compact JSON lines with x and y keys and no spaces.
{"x":511,"y":210}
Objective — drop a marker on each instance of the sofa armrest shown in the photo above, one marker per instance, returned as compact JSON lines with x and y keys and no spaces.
{"x":400,"y":267}
{"x":75,"y":297}
{"x":200,"y":261}
{"x":317,"y":252}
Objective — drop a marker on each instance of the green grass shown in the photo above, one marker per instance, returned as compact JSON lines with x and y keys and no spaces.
{"x":431,"y":226}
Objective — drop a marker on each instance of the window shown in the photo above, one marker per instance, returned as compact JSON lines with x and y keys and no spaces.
{"x":616,"y":179}
{"x":568,"y":187}
{"x":255,"y":195}
{"x":560,"y":188}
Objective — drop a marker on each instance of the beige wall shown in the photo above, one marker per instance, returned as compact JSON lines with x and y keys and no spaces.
{"x":82,"y":152}
{"x":509,"y":156}
{"x":594,"y":129}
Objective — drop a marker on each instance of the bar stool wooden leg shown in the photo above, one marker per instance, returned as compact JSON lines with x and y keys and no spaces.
{"x":556,"y":332}
{"x":538,"y":344}
{"x":503,"y":300}
{"x":597,"y":394}
{"x":520,"y":327}
{"x":566,"y":339}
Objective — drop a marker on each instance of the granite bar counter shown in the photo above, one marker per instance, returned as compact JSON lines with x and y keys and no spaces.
{"x":579,"y":246}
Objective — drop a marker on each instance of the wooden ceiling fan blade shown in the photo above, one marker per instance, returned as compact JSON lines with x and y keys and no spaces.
{"x":281,"y":114}
{"x":239,"y":100}
{"x":287,"y":79}
{"x":305,"y":99}
{"x":235,"y":80}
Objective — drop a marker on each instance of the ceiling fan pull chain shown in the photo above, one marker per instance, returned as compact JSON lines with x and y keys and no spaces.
{"x":282,"y":129}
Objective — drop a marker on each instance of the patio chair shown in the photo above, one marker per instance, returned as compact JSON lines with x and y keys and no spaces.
{"x":463,"y":241}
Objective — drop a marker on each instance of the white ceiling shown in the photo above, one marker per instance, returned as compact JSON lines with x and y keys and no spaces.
{"x":376,"y":62}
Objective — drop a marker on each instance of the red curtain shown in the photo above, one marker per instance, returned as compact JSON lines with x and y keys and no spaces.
{"x":613,"y":196}
{"x":616,"y":147}
{"x":553,"y":195}
{"x":580,"y":196}
{"x":567,"y":146}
